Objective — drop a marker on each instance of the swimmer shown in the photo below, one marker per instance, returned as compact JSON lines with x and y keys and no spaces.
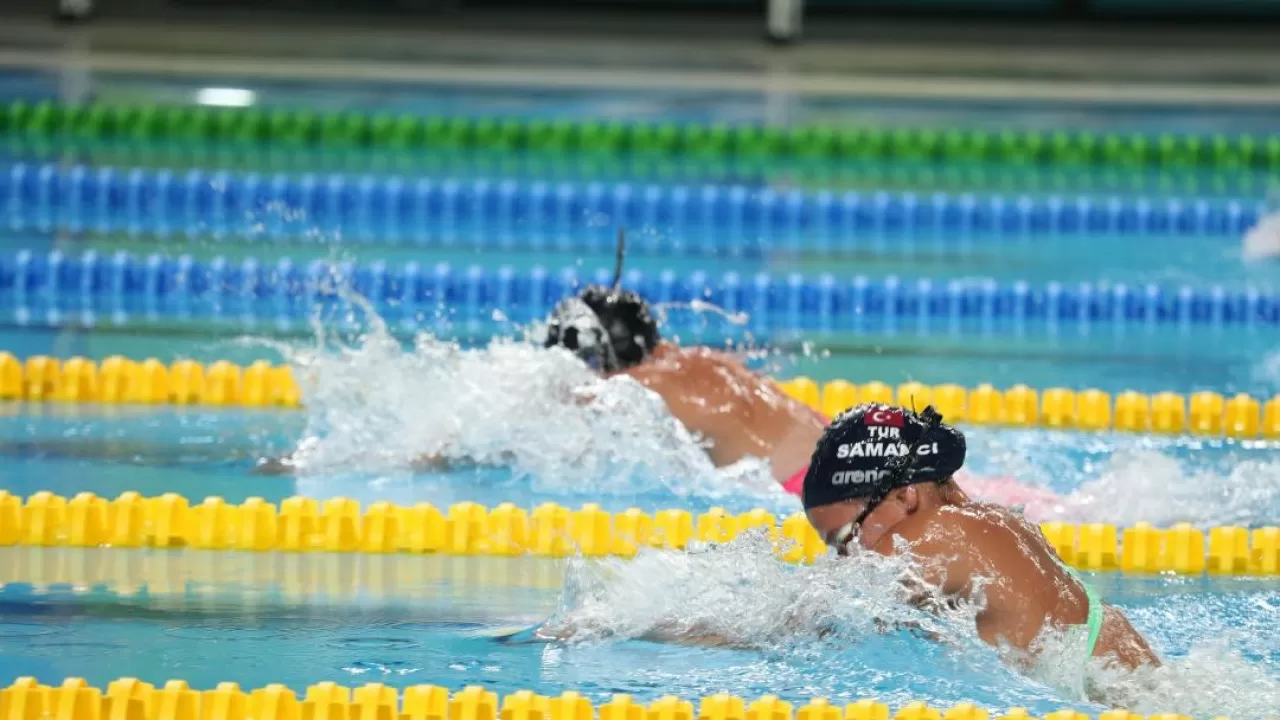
{"x":737,"y":412}
{"x":882,"y":479}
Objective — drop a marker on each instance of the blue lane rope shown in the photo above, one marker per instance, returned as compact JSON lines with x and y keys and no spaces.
{"x":506,"y":213}
{"x":790,"y":301}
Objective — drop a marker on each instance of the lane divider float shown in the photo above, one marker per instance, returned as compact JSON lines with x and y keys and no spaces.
{"x":303,"y":579}
{"x":185,"y":382}
{"x":551,"y":530}
{"x":519,"y":213}
{"x":133,"y":699}
{"x":792,"y":301}
{"x":307,"y":128}
{"x":584,"y":166}
{"x":120,"y":380}
{"x":1199,"y":413}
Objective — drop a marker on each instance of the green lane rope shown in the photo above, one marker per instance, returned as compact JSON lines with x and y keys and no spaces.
{"x":310,"y":129}
{"x":815,"y":174}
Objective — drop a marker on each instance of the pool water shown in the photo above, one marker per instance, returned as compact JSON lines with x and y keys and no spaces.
{"x":403,"y":620}
{"x":378,"y":399}
{"x":1216,"y":634}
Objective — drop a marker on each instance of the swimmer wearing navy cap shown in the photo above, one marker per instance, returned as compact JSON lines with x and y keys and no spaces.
{"x":881,"y":475}
{"x":741,"y":413}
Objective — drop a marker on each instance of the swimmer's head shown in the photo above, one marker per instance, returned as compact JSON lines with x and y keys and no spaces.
{"x":610,"y":329}
{"x":870,"y":455}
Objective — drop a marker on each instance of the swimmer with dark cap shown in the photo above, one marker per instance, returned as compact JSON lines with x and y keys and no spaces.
{"x":739,"y":413}
{"x":882,"y":478}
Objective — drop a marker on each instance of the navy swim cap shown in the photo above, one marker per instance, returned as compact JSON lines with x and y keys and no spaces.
{"x":610,"y":329}
{"x":871,"y":450}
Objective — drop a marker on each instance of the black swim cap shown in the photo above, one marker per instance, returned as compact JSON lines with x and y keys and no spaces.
{"x":610,"y":329}
{"x":871,"y":450}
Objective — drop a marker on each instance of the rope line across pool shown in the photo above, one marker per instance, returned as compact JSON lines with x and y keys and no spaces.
{"x":581,"y":166}
{"x":120,"y":380}
{"x":305,"y":128}
{"x":133,"y":699}
{"x":551,"y":530}
{"x":793,"y":301}
{"x":502,"y":214}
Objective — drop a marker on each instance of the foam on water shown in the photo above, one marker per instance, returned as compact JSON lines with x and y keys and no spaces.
{"x":379,"y":407}
{"x":1159,"y":489}
{"x":1124,"y":479}
{"x":1266,"y":371}
{"x":832,"y":619}
{"x":1212,"y":680}
{"x":1262,"y":242}
{"x":375,"y":406}
{"x":738,"y":592}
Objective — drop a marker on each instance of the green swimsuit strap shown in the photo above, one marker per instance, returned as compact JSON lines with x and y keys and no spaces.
{"x":1095,"y":608}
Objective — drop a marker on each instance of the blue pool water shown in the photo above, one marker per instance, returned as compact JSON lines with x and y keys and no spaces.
{"x":417,"y":637}
{"x":209,"y":617}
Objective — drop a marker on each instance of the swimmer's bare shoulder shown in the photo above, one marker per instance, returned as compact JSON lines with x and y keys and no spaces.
{"x":956,"y":544}
{"x":677,"y":371}
{"x":941,"y":540}
{"x":700,"y":386}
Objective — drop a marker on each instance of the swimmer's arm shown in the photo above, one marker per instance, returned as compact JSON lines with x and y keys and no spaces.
{"x":910,"y":626}
{"x":697,"y":634}
{"x":702,"y":636}
{"x":439,"y":462}
{"x":275,"y":466}
{"x":287,"y":465}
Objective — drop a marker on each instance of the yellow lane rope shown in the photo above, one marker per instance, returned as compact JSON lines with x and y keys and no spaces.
{"x":340,"y":525}
{"x":132,"y":699}
{"x":122,"y":380}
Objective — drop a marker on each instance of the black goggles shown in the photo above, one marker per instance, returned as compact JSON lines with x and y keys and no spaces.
{"x":848,"y":534}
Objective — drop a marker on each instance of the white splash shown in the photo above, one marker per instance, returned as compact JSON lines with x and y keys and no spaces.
{"x":1150,"y":486}
{"x":379,"y":407}
{"x":1212,"y":680}
{"x":740,"y":594}
{"x":1147,"y":485}
{"x":1262,"y":242}
{"x":1267,"y":371}
{"x":831,"y":618}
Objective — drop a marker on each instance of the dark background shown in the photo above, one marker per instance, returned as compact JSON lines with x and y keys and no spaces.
{"x":1108,"y":10}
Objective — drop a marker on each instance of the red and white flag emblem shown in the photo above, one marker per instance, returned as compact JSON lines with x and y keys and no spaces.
{"x":883,"y":416}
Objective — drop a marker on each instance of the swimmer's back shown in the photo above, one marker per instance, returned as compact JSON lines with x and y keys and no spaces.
{"x":742,"y":413}
{"x":1013,"y":561}
{"x":1025,"y":584}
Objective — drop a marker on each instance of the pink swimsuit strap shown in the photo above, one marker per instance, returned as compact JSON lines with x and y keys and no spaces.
{"x":795,"y":483}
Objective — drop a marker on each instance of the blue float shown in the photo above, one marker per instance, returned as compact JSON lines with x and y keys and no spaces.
{"x":792,"y":301}
{"x":508,"y":213}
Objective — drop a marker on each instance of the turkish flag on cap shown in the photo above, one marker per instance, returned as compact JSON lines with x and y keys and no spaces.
{"x":883,"y":416}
